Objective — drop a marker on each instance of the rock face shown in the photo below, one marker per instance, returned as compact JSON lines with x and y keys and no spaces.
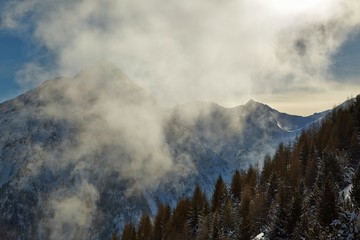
{"x":79,"y":156}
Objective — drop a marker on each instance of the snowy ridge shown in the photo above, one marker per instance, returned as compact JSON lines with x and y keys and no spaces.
{"x":109,"y":143}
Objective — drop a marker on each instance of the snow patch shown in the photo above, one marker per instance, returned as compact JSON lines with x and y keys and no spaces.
{"x":346,"y":192}
{"x":151,"y":203}
{"x":259,"y":236}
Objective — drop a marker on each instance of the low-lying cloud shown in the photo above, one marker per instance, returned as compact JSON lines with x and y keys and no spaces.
{"x":223,"y":51}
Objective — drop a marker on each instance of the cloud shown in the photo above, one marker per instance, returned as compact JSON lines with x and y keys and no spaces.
{"x":31,"y":75}
{"x":209,"y":50}
{"x":117,"y":122}
{"x":223,"y":51}
{"x":71,"y":214}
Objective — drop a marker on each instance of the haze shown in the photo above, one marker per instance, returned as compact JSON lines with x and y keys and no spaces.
{"x":275,"y":51}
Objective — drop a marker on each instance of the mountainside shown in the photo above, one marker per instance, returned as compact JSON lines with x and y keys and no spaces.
{"x":244,"y":134}
{"x":80,"y":156}
{"x":307,"y":190}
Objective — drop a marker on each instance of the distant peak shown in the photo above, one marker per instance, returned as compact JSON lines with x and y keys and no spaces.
{"x":102,"y":65}
{"x":254,"y":104}
{"x":102,"y":69}
{"x":251,"y":101}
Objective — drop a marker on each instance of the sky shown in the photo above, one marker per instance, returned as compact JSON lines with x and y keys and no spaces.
{"x":299,"y":56}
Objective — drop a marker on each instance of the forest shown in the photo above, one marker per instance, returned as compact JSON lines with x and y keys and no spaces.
{"x":309,"y":189}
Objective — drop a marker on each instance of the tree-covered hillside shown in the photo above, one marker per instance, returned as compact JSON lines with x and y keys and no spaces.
{"x":307,"y":190}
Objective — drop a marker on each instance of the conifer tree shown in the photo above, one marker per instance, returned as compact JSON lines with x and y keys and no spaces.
{"x":250,"y":179}
{"x":161,"y":218}
{"x":295,"y":210}
{"x":145,"y":228}
{"x":259,"y":208}
{"x":129,"y":232}
{"x":114,"y":236}
{"x":245,"y":224}
{"x":267,"y":170}
{"x":278,"y":216}
{"x":198,"y":207}
{"x":227,"y":218}
{"x":219,"y":194}
{"x":272,"y":188}
{"x":176,"y":227}
{"x":346,"y":224}
{"x":311,"y":172}
{"x":328,"y":202}
{"x":236,"y":185}
{"x":355,"y":190}
{"x":205,"y":228}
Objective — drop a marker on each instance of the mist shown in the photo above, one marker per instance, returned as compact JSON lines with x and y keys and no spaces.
{"x":220,"y":51}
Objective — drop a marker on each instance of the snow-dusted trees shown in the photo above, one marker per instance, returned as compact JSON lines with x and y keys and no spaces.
{"x":355,"y":190}
{"x":296,"y":195}
{"x":198,"y":208}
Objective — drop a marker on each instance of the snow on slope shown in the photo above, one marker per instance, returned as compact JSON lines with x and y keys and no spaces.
{"x":100,"y":142}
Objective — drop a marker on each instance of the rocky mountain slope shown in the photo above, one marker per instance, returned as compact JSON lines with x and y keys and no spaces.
{"x":80,"y":156}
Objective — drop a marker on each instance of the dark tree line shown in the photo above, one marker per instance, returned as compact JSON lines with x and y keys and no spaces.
{"x":296,"y":195}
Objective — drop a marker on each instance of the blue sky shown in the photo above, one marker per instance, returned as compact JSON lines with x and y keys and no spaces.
{"x":13,"y":53}
{"x":184,"y":51}
{"x":347,"y":61}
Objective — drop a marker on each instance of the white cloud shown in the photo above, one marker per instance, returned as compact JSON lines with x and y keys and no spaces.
{"x":222,"y":51}
{"x":185,"y":50}
{"x":71,"y":216}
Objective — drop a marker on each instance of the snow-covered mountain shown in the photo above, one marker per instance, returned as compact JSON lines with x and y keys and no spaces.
{"x":79,"y":156}
{"x":244,"y":134}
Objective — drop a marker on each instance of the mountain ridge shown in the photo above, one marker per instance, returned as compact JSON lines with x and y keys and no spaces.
{"x":76,"y":137}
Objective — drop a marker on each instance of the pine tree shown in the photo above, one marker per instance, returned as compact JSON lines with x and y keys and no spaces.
{"x":205,"y":227}
{"x":236,"y":185}
{"x":177,"y":228}
{"x":328,"y":202}
{"x":161,"y":218}
{"x":272,"y":188}
{"x":311,"y":172}
{"x":295,"y":211}
{"x":219,"y":194}
{"x":346,"y":224}
{"x":245,"y":224}
{"x":250,"y":179}
{"x":145,"y":229}
{"x":308,"y":226}
{"x":355,"y":190}
{"x":259,"y":211}
{"x":278,"y":216}
{"x":267,"y":170}
{"x":227,"y":218}
{"x":198,"y":207}
{"x":215,"y":233}
{"x":129,"y":232}
{"x":114,"y":236}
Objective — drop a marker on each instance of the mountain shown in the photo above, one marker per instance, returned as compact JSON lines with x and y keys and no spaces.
{"x":82,"y":155}
{"x":241,"y":135}
{"x":307,"y":190}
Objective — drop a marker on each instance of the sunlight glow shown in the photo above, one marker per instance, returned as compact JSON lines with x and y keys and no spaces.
{"x":297,"y":6}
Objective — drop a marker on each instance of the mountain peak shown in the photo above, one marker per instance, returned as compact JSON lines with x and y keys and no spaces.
{"x":251,"y":102}
{"x":104,"y":77}
{"x":254,"y":104}
{"x":102,"y":69}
